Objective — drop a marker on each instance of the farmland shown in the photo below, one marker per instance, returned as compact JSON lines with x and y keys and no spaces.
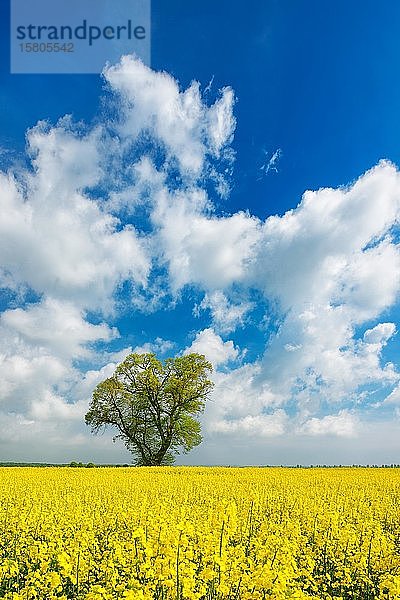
{"x":194,"y":533}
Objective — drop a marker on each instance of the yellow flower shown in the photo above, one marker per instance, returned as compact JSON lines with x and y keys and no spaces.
{"x":194,"y":533}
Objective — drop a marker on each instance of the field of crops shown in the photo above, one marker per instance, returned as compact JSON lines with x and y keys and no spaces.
{"x":192,"y":533}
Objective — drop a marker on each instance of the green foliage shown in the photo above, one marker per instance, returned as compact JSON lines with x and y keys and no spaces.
{"x":153,"y":405}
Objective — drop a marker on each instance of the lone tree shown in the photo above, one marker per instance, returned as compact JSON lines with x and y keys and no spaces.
{"x":153,"y":405}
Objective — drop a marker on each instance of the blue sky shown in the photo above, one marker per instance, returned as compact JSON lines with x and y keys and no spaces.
{"x":177,"y":229}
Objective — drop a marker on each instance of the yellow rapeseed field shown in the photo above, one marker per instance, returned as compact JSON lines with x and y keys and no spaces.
{"x":199,"y":533}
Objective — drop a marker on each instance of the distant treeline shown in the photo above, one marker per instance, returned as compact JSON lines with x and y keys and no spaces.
{"x":71,"y":464}
{"x":92,"y":465}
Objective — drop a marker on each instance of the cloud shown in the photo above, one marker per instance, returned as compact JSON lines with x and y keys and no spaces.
{"x":159,"y":346}
{"x":65,"y":240}
{"x":260,"y":425}
{"x":271,"y":163}
{"x":152,"y":103}
{"x":54,"y":238}
{"x":58,"y":326}
{"x":38,"y":348}
{"x":344,"y":424}
{"x":210,"y":344}
{"x":226,"y":316}
{"x":393,"y":398}
{"x":242,"y":392}
{"x":84,"y":387}
{"x":334,"y":247}
{"x":117,"y":220}
{"x":54,"y":408}
{"x":324,"y":268}
{"x":380,"y":334}
{"x":211,"y":252}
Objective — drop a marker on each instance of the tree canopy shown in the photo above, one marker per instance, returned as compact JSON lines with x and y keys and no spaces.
{"x":153,"y":405}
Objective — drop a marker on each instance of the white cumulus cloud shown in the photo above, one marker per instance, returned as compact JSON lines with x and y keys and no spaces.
{"x":210,"y":344}
{"x":343,"y":424}
{"x":94,"y":225}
